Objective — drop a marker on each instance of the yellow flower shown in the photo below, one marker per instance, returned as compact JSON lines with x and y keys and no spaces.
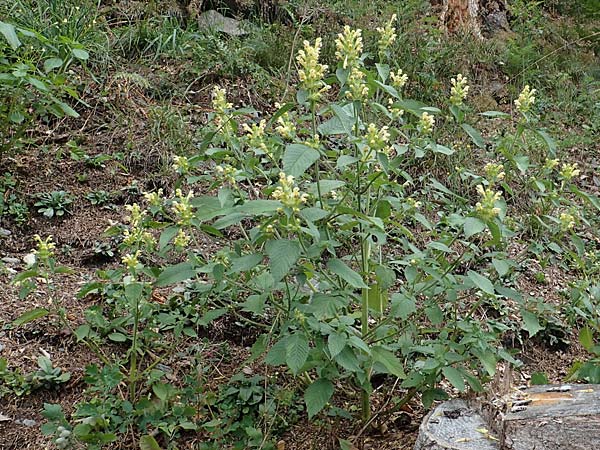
{"x":349,"y":47}
{"x":567,"y":221}
{"x":399,"y":79}
{"x":569,"y":171}
{"x":131,"y":260}
{"x":426,"y":123}
{"x":311,"y":72}
{"x":357,"y":89}
{"x":387,"y":36}
{"x":459,"y":90}
{"x":494,"y":172}
{"x":181,"y":240}
{"x":45,"y":248}
{"x":182,"y":208}
{"x":486,"y":208}
{"x":154,"y":198}
{"x":256,"y":136}
{"x":526,"y":99}
{"x":288,"y":194}
{"x":181,"y":164}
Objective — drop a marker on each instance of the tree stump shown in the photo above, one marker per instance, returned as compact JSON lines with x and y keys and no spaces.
{"x":539,"y":418}
{"x":554,"y":418}
{"x":457,"y":426}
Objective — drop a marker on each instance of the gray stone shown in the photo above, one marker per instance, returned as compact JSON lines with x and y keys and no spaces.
{"x":214,"y":21}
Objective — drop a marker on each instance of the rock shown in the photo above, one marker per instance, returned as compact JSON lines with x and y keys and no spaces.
{"x":10,"y":260}
{"x":29,"y":259}
{"x":4,"y":232}
{"x":215,"y":21}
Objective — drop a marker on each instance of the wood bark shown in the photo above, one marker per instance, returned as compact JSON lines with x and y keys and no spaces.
{"x":477,"y":17}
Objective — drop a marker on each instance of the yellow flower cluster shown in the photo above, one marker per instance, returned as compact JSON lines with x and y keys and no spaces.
{"x":285,"y":125}
{"x":311,"y":71}
{"x":357,"y":88}
{"x":426,"y":123}
{"x":399,"y":79}
{"x":377,"y":139}
{"x":486,"y":208}
{"x":221,"y":107}
{"x":288,"y":194}
{"x":228,"y":172}
{"x":567,"y":221}
{"x":394,"y":110}
{"x":526,"y":99}
{"x":494,"y":172}
{"x":131,"y":260}
{"x":387,"y":36}
{"x":45,"y":248}
{"x":182,"y":207}
{"x":256,"y":136}
{"x":349,"y":45}
{"x":154,"y":198}
{"x":181,"y":164}
{"x":181,"y":240}
{"x":569,"y":171}
{"x":459,"y":90}
{"x":550,"y":164}
{"x":135,"y":234}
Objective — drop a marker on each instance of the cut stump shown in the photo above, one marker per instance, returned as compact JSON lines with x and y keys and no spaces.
{"x":564,"y":417}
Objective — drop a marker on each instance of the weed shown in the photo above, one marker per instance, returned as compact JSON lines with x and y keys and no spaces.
{"x":54,"y":204}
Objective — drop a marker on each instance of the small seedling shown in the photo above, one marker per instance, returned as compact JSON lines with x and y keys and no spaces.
{"x":55,"y":203}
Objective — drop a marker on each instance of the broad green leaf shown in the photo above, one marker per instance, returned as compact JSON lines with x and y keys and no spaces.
{"x":501,"y":266}
{"x":246,"y":262}
{"x":455,"y":377}
{"x":167,"y":235}
{"x":277,"y":354}
{"x":338,"y":267}
{"x":258,"y":206}
{"x":550,"y":142}
{"x":473,"y":226}
{"x":317,"y":395}
{"x":325,"y":186}
{"x":336,"y":343}
{"x":402,"y":305}
{"x":531,"y":323}
{"x":52,"y":63}
{"x":283,"y":254}
{"x":392,"y":364}
{"x":297,"y":158}
{"x":117,"y":337}
{"x":67,"y":109}
{"x":481,"y":282}
{"x":586,"y":338}
{"x":522,"y":163}
{"x":494,"y":114}
{"x":80,"y":54}
{"x":30,"y":316}
{"x":474,"y":134}
{"x":9,"y":33}
{"x":148,"y":442}
{"x":175,"y":274}
{"x":162,"y":390}
{"x":296,"y":352}
{"x":377,"y":298}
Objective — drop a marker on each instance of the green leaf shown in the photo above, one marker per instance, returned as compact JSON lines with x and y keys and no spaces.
{"x":52,"y":63}
{"x":258,"y":206}
{"x":402,"y":305}
{"x":162,"y":390}
{"x":474,"y":134}
{"x":481,"y":282}
{"x":296,"y":352}
{"x":317,"y":395}
{"x":175,"y":274}
{"x":297,"y":158}
{"x":522,"y":163}
{"x":392,"y":364}
{"x":501,"y":266}
{"x":377,"y":298}
{"x":283,"y":254}
{"x":539,"y":378}
{"x":455,"y":377}
{"x":494,"y":114}
{"x":550,"y":142}
{"x":277,"y":353}
{"x":246,"y":262}
{"x":531,"y":323}
{"x":30,"y":316}
{"x":80,"y":54}
{"x":167,"y":236}
{"x":338,"y":267}
{"x":117,"y":337}
{"x":473,"y":226}
{"x":586,"y":338}
{"x":148,"y":442}
{"x":8,"y":31}
{"x":336,"y":343}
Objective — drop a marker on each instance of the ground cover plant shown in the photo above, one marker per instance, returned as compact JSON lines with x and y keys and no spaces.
{"x":307,"y":266}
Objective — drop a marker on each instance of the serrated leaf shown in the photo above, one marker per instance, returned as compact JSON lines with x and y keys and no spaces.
{"x":338,"y":267}
{"x":148,"y":442}
{"x":283,"y":254}
{"x":296,"y":352}
{"x":388,"y":360}
{"x":455,"y":377}
{"x":30,"y":316}
{"x":175,"y":274}
{"x":336,"y":343}
{"x":297,"y":158}
{"x":277,"y":353}
{"x":9,"y":33}
{"x":317,"y":395}
{"x":481,"y":282}
{"x":531,"y":323}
